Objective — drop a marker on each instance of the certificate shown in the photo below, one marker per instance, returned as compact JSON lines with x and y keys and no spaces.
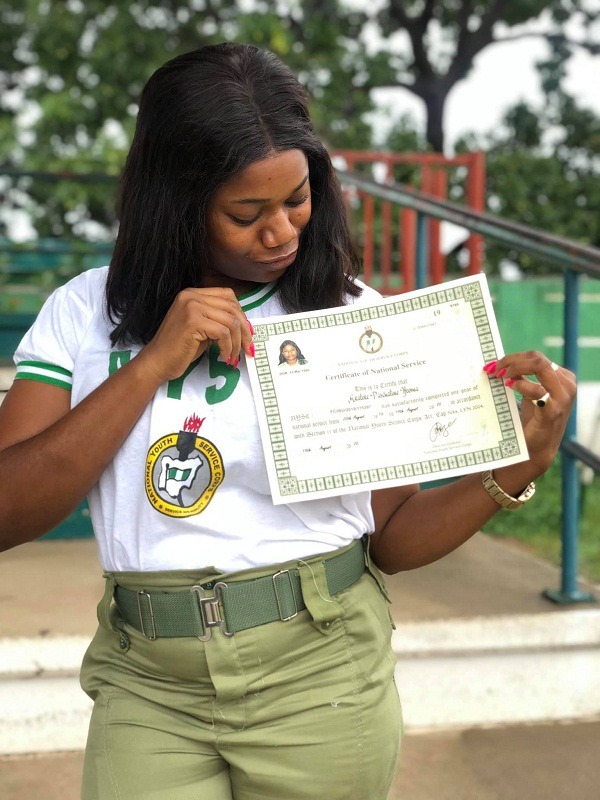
{"x":383,"y":394}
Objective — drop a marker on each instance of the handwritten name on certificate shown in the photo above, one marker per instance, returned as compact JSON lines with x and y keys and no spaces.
{"x":383,"y":394}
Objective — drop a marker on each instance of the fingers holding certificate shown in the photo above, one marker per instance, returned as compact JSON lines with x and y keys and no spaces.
{"x":373,"y":396}
{"x":549,"y":391}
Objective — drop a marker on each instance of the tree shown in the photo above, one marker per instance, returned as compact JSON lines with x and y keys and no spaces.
{"x":76,"y":70}
{"x":463,"y":30}
{"x":543,"y":169}
{"x":333,"y":46}
{"x":72,"y":71}
{"x":424,"y":46}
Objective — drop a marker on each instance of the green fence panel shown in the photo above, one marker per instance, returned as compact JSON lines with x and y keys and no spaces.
{"x":12,"y":328}
{"x":77,"y":526}
{"x":530,"y":316}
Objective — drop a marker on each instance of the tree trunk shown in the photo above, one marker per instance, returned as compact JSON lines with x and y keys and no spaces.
{"x":435,"y":102}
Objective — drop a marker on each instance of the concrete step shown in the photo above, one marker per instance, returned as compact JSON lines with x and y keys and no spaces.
{"x":499,"y":670}
{"x":536,"y":762}
{"x":451,"y":674}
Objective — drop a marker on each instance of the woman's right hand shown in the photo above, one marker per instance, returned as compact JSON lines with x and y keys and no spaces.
{"x":196,"y":319}
{"x":45,"y":471}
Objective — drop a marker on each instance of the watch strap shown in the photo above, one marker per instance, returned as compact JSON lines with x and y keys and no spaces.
{"x":501,"y":497}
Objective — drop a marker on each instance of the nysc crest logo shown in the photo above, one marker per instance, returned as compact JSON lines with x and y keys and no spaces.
{"x":183,"y":471}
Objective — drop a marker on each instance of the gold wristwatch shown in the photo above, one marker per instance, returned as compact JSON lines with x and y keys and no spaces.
{"x":501,"y":497}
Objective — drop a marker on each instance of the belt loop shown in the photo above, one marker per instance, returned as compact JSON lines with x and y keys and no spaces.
{"x":372,"y":569}
{"x":103,"y":610}
{"x":321,"y":606}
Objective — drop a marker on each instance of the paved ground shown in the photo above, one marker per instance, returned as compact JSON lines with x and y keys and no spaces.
{"x":512,"y":763}
{"x":51,"y":589}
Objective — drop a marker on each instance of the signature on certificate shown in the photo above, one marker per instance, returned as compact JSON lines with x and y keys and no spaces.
{"x":440,"y":430}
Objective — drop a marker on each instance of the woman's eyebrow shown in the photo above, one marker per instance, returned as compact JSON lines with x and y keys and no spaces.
{"x":248,"y":200}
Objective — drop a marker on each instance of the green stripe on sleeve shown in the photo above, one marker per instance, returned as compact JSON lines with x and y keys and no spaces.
{"x":45,"y":365}
{"x":36,"y":376}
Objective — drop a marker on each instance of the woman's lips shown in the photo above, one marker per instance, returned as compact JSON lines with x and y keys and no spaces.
{"x":277,"y":263}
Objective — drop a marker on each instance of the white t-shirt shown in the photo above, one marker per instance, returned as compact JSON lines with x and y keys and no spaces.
{"x":188,"y":488}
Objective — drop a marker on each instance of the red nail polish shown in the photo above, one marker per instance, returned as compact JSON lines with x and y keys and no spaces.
{"x":252,"y":349}
{"x":501,"y":374}
{"x":489,"y":368}
{"x":235,"y":363}
{"x":250,"y":326}
{"x":228,"y":360}
{"x":509,"y":382}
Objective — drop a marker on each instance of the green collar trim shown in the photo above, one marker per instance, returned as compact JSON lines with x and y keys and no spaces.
{"x":258,"y":296}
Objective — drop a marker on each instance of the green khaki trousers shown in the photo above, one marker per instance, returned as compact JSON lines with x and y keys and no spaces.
{"x":292,"y":710}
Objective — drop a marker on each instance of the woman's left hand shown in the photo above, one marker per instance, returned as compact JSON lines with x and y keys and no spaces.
{"x":544,"y":426}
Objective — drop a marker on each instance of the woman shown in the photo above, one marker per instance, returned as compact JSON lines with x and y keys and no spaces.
{"x":246,"y":654}
{"x":290,"y":354}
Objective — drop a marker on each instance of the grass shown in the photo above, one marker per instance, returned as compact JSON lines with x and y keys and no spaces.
{"x":537,"y":526}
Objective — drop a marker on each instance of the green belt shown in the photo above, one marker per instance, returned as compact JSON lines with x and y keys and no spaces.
{"x":234,"y":606}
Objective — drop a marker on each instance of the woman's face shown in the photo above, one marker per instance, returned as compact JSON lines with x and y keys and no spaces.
{"x":290,"y":353}
{"x":254,"y":222}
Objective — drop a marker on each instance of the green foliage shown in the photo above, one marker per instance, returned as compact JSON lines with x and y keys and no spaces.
{"x":538,"y":524}
{"x":320,"y":43}
{"x":543,"y":170}
{"x":82,"y":65}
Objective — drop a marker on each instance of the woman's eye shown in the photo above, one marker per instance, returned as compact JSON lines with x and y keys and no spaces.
{"x":295,"y":203}
{"x":247,"y":222}
{"x":244,"y":221}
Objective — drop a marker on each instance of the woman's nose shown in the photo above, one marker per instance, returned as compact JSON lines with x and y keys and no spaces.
{"x":278,"y":230}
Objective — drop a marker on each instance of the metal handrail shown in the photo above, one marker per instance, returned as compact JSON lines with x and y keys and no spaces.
{"x":64,"y":175}
{"x":575,"y":260}
{"x":64,"y":248}
{"x":583,"y":454}
{"x":580,"y":257}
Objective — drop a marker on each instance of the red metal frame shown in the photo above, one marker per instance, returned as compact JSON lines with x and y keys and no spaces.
{"x":396,"y":265}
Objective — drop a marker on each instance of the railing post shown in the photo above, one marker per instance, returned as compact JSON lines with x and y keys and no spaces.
{"x":368,"y":236}
{"x":475,"y":191}
{"x":408,"y":248}
{"x":437,"y":259}
{"x":569,"y":593}
{"x":421,"y":271}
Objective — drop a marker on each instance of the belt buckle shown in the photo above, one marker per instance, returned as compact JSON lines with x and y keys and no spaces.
{"x":295,"y":614}
{"x":210,"y":611}
{"x":141,"y":594}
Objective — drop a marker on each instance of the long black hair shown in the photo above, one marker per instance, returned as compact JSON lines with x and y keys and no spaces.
{"x":205,"y":116}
